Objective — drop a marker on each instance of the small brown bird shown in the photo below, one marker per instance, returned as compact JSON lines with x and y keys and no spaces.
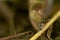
{"x":38,"y":14}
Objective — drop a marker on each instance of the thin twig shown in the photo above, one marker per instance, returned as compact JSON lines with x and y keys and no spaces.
{"x":54,"y":18}
{"x":14,"y":36}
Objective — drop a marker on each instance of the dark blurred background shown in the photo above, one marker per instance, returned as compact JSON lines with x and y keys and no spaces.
{"x":20,"y":9}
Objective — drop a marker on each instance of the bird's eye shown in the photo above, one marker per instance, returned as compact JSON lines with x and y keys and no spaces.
{"x":37,"y":8}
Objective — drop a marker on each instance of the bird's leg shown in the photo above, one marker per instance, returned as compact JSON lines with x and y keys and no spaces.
{"x":49,"y":31}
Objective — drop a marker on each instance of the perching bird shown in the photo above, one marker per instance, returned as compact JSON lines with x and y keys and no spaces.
{"x":39,"y":11}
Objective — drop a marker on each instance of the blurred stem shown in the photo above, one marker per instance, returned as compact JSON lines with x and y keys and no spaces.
{"x":9,"y":16}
